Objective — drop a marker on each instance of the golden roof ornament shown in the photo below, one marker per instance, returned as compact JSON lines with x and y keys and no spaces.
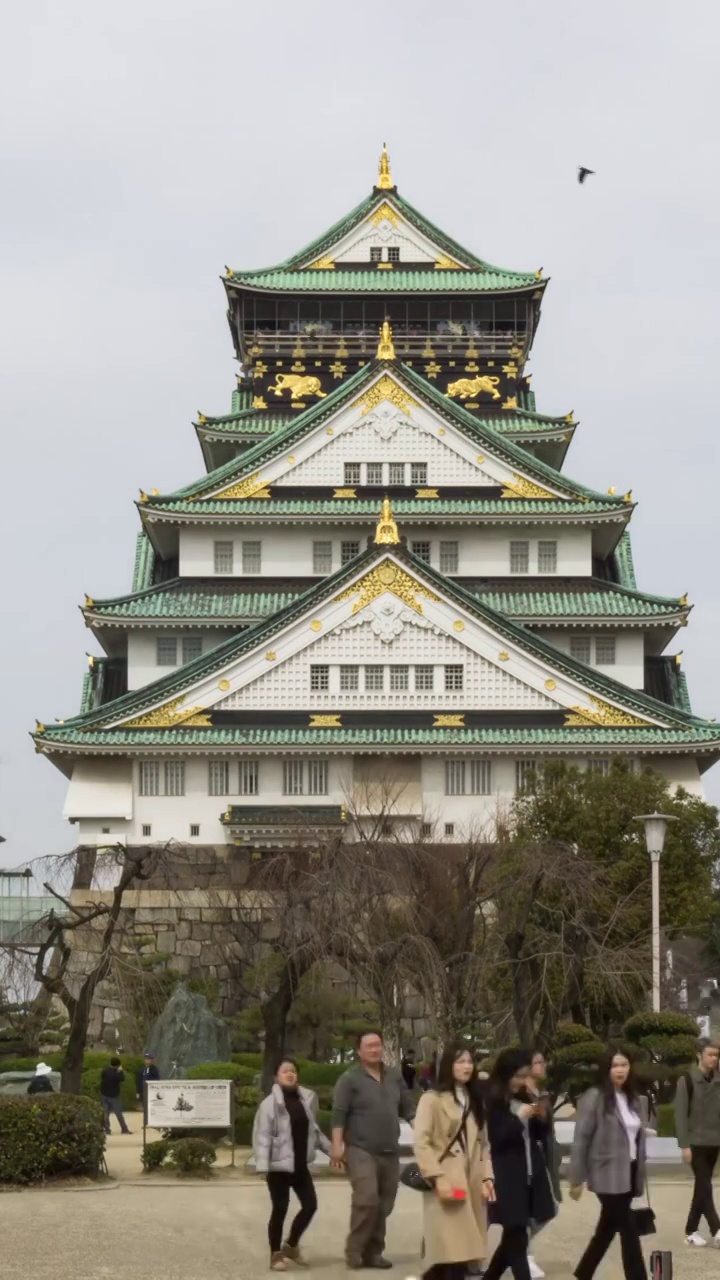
{"x":384,"y":182}
{"x":386,"y":347}
{"x":386,"y":532}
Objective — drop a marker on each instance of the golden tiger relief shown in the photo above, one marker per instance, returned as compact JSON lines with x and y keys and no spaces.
{"x":298,"y":386}
{"x":466,"y":387}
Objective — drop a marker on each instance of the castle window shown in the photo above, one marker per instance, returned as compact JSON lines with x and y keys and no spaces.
{"x":166,"y":651}
{"x":449,"y":828}
{"x":480,"y":777}
{"x":605,"y":651}
{"x":547,"y":557}
{"x":394,"y":253}
{"x":396,"y":473}
{"x":375,"y":254}
{"x":374,"y":472}
{"x":174,"y":778}
{"x":424,"y":679}
{"x":449,"y":557}
{"x":418,"y":473}
{"x":317,"y":775}
{"x":322,"y":557}
{"x":147,"y":829}
{"x":519,"y":557}
{"x":454,"y":777}
{"x":599,"y":766}
{"x":293,"y":779}
{"x":194,"y":829}
{"x":426,"y":830}
{"x":218,"y":778}
{"x":191,"y":648}
{"x":249,"y":778}
{"x":149,"y":777}
{"x":399,"y":679}
{"x":349,"y":679}
{"x":454,"y":678}
{"x":581,"y":649}
{"x":348,"y":551}
{"x":374,"y":679}
{"x":525,"y":771}
{"x":421,"y":550}
{"x":252,"y":557}
{"x":223,"y":557}
{"x":352,"y":473}
{"x":319,"y":679}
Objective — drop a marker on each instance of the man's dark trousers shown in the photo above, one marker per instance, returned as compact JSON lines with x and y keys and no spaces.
{"x":113,"y":1106}
{"x":374,"y":1181}
{"x":703,"y":1164}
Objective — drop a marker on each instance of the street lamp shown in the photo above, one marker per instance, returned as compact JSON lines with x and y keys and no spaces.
{"x":655,"y":831}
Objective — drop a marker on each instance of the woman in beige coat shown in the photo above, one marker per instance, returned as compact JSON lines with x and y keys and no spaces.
{"x":451,"y":1149}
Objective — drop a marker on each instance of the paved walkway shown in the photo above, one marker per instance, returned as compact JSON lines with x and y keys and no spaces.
{"x":217,"y":1232}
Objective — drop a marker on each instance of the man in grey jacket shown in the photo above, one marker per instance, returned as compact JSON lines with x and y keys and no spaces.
{"x":369,"y":1102}
{"x":697,"y":1125}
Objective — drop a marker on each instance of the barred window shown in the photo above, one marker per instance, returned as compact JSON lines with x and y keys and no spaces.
{"x":605,"y":651}
{"x":394,"y":253}
{"x":375,"y":253}
{"x":418,"y":473}
{"x":348,"y":551}
{"x":424,"y":679}
{"x":374,"y":473}
{"x":249,"y":777}
{"x":223,"y":557}
{"x":599,"y":766}
{"x":349,"y":678}
{"x":525,"y":774}
{"x":454,"y":777}
{"x":480,"y":777}
{"x":149,"y":777}
{"x":147,"y":829}
{"x":191,"y":648}
{"x":454,"y":678}
{"x":449,"y":557}
{"x":322,"y":557}
{"x":174,"y":778}
{"x":449,"y":828}
{"x":218,"y":778}
{"x":293,"y":777}
{"x":352,"y":473}
{"x":519,"y":557}
{"x":252,"y":557}
{"x":374,"y":679}
{"x":317,"y":777}
{"x":396,"y":473}
{"x":320,"y":678}
{"x":194,"y":829}
{"x":399,"y":679}
{"x":421,"y":550}
{"x":547,"y":557}
{"x":166,"y":651}
{"x":580,"y":648}
{"x":426,"y":830}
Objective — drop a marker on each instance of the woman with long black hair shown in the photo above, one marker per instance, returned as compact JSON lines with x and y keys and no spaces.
{"x":609,"y":1155}
{"x":452,"y":1152}
{"x":516,"y":1130}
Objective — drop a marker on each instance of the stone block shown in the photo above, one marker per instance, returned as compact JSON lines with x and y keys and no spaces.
{"x":183,"y":964}
{"x":166,"y":941}
{"x":190,"y":913}
{"x":189,"y":948}
{"x":214,"y":915}
{"x":201,"y":932}
{"x":155,"y":915}
{"x":183,"y":930}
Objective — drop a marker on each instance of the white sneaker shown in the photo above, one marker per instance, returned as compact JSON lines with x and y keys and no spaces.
{"x":696,"y":1239}
{"x":536,"y":1272}
{"x":716,"y":1240}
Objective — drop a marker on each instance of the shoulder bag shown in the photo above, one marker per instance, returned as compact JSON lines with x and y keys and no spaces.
{"x":411,"y":1176}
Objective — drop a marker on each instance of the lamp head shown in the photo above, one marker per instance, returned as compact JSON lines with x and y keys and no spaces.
{"x":655,"y":830}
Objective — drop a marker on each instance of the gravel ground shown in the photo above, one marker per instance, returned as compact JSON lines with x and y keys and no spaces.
{"x":217,"y":1232}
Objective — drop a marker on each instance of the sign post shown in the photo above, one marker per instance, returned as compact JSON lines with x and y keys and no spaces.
{"x":189,"y":1104}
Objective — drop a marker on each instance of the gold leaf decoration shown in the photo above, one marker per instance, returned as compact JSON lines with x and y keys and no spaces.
{"x":325,"y":722}
{"x":386,"y":389}
{"x":448,"y":722}
{"x":443,"y":263}
{"x":510,"y":403}
{"x":316,"y":625}
{"x":170,"y":714}
{"x":432,"y":369}
{"x":503,"y":656}
{"x":386,"y":530}
{"x":251,"y":487}
{"x":387,"y":577}
{"x":510,"y":369}
{"x":426,"y":493}
{"x":550,"y":685}
{"x":344,"y":493}
{"x":322,"y":264}
{"x":458,"y":625}
{"x":384,"y":213}
{"x":271,"y":655}
{"x":223,"y":685}
{"x":602,"y":713}
{"x":259,"y":403}
{"x":521,"y":487}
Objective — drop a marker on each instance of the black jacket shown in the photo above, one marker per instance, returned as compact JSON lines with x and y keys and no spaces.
{"x":110,"y":1080}
{"x":514,"y":1207}
{"x":40,"y":1084}
{"x":145,"y":1073}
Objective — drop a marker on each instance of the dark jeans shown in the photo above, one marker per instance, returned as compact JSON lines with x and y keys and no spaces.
{"x":447,"y":1271}
{"x":511,"y":1252}
{"x":374,"y":1181}
{"x":113,"y":1106}
{"x":279,"y":1186}
{"x":616,"y":1218}
{"x":703,"y":1206}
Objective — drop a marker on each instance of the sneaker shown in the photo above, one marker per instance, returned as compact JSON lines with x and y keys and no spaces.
{"x":696,"y":1239}
{"x":292,"y":1252}
{"x":379,"y":1264}
{"x":278,"y":1262}
{"x":536,"y":1272}
{"x":716,"y":1240}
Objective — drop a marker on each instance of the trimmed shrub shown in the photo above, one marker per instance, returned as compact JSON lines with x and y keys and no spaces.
{"x":325,"y":1122}
{"x":244,"y":1120}
{"x":567,"y":1033}
{"x":248,"y":1096}
{"x":665,"y":1120}
{"x":642,"y":1025}
{"x":673,"y":1050}
{"x":221,"y":1071}
{"x":313,"y":1074}
{"x":155,"y":1154}
{"x":49,"y":1134}
{"x":254,"y":1060}
{"x":193,"y":1155}
{"x":90,"y":1087}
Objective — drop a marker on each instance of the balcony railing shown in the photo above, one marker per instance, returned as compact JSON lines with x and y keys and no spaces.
{"x":342,"y":343}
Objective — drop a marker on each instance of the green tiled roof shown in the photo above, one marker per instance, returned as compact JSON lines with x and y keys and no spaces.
{"x":144,"y":562}
{"x":360,"y":508}
{"x":182,"y":599}
{"x":521,"y":738}
{"x":512,"y":454}
{"x":478,"y":275}
{"x":624,"y":561}
{"x":264,"y":422}
{"x":249,"y":422}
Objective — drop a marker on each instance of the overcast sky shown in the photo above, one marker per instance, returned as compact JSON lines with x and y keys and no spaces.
{"x":145,"y":145}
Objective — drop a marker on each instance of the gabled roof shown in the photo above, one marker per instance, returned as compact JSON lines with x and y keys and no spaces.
{"x":609,"y":703}
{"x":460,"y":270}
{"x":418,"y":388}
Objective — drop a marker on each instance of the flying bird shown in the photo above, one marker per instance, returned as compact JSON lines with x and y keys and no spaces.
{"x":583,"y":173}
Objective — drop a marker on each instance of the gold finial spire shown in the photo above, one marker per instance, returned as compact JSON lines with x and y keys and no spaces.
{"x":386,"y":532}
{"x":386,"y":348}
{"x":384,"y":182}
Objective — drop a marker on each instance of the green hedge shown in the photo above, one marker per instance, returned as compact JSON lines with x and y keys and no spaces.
{"x":311,"y":1073}
{"x":665,"y":1120}
{"x":90,"y":1087}
{"x":43,"y":1136}
{"x":642,"y":1025}
{"x":91,"y":1062}
{"x":221,"y":1071}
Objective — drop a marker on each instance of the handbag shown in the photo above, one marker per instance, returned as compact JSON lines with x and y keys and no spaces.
{"x":411,"y":1176}
{"x":644,"y":1217}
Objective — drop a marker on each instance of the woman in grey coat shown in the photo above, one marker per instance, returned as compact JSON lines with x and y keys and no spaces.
{"x":609,"y":1155}
{"x":285,"y":1138}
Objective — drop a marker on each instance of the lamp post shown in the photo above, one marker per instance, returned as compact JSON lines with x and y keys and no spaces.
{"x":655,"y":831}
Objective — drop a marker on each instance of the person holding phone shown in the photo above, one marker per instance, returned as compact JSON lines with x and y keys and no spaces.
{"x":452,"y":1152}
{"x":523,"y":1194}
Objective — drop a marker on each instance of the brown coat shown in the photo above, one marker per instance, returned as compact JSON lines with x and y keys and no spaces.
{"x":454,"y":1231}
